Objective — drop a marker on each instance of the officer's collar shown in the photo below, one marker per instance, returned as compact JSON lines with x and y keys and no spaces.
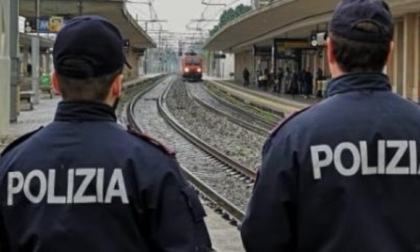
{"x":358,"y":81}
{"x":84,"y":111}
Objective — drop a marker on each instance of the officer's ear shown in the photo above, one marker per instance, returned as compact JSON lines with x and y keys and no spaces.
{"x":54,"y":81}
{"x":330,"y":51}
{"x":117,"y":85}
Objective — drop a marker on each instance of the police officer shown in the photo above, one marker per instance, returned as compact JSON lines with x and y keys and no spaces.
{"x":84,"y":183}
{"x":343,"y":175}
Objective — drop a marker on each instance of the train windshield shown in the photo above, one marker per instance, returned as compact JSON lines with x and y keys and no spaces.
{"x":192,"y":61}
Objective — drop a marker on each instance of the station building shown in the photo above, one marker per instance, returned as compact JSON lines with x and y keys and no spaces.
{"x":290,"y":34}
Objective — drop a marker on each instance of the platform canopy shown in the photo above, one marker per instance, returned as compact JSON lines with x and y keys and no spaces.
{"x":285,"y":19}
{"x":113,"y":10}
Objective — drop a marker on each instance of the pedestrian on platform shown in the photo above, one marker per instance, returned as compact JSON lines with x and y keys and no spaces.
{"x":343,"y":175}
{"x":319,"y":78}
{"x":288,"y":80}
{"x":266,"y":79}
{"x":259,"y":78}
{"x":308,"y":83}
{"x":85,"y":183}
{"x":280,"y":77}
{"x":294,"y":84}
{"x":245,"y":75}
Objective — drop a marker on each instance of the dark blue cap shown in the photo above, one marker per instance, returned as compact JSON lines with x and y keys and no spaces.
{"x":350,"y":13}
{"x":88,"y":47}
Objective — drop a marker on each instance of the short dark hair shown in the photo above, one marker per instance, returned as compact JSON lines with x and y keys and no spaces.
{"x":90,"y":89}
{"x":355,"y":56}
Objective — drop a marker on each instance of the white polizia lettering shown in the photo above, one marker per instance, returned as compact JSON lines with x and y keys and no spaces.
{"x":37,"y":186}
{"x":80,"y":197}
{"x":317,"y":163}
{"x":357,"y":158}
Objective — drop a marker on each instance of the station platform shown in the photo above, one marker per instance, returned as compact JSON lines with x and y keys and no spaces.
{"x":276,"y":102}
{"x":224,"y":236}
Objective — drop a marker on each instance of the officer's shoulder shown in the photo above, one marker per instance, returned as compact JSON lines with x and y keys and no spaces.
{"x":290,"y":119}
{"x":15,"y":143}
{"x":150,"y":140}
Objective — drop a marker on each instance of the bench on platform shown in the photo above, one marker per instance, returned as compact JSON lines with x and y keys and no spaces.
{"x":27,"y":96}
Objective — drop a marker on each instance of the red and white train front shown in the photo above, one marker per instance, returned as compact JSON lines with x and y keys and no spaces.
{"x":192,"y":67}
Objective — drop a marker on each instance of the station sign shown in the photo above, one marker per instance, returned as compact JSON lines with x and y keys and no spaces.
{"x":46,"y":24}
{"x":55,"y":24}
{"x":285,"y":45}
{"x":219,"y":56}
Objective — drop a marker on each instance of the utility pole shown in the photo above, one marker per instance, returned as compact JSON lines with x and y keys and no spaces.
{"x":14,"y":57}
{"x":4,"y":66}
{"x":145,"y":70}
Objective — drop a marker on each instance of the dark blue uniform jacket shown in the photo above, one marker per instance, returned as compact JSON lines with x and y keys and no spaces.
{"x":84,"y":183}
{"x":341,"y":176}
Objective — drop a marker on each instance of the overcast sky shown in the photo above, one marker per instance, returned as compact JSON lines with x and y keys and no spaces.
{"x":180,"y":12}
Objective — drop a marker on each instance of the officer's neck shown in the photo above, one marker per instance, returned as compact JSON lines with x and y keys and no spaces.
{"x":336,"y":71}
{"x":84,"y":110}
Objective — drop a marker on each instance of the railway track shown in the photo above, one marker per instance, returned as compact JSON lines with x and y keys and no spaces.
{"x":132,"y":91}
{"x":243,"y":118}
{"x":256,"y":113}
{"x":219,"y":179}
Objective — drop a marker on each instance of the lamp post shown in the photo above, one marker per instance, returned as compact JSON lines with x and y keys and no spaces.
{"x":35,"y":55}
{"x":4,"y":66}
{"x":14,"y":59}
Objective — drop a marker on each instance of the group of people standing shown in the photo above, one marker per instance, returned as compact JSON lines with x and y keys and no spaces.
{"x":299,"y":82}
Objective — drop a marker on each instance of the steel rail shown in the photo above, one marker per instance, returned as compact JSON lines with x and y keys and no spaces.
{"x":256,"y":129}
{"x":223,"y":205}
{"x":162,"y":107}
{"x":269,"y":124}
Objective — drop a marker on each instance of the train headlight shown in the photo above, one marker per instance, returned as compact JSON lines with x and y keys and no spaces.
{"x":187,"y":70}
{"x":199,"y":70}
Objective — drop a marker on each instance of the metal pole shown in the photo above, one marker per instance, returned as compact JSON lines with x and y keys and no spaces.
{"x":4,"y":66}
{"x":35,"y":68}
{"x":160,"y":54}
{"x":35,"y":56}
{"x":14,"y":56}
{"x":145,"y":65}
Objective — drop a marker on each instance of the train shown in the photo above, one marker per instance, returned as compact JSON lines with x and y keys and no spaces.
{"x":192,"y":66}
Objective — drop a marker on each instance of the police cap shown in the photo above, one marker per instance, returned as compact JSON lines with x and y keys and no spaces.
{"x":88,"y":47}
{"x":350,"y":13}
